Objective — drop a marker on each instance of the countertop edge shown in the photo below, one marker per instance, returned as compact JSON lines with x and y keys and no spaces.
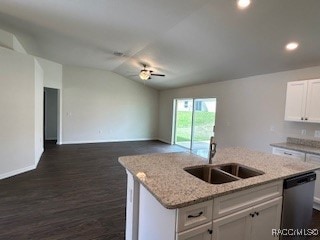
{"x":210,"y":197}
{"x":295,"y":147}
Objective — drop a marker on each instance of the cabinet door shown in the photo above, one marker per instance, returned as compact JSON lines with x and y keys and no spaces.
{"x":234,"y":226}
{"x":267,"y":217}
{"x":203,"y":232}
{"x":317,"y":189}
{"x":315,"y":159}
{"x":313,"y":101}
{"x":289,"y":153}
{"x":296,"y":100}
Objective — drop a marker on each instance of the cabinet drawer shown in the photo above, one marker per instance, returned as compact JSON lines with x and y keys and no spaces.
{"x":289,"y":153}
{"x":237,"y":201}
{"x":203,"y":232}
{"x":195,"y":215}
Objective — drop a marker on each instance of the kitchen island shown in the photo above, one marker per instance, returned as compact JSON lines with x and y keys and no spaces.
{"x":167,"y":202}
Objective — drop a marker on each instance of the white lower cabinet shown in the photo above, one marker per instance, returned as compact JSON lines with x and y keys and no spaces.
{"x":203,"y":232}
{"x":289,"y":153}
{"x":267,"y":217}
{"x":315,"y":159}
{"x":255,"y":223}
{"x":250,"y":214}
{"x":233,"y":226}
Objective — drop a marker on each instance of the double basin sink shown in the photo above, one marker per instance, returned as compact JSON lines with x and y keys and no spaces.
{"x":219,"y":174}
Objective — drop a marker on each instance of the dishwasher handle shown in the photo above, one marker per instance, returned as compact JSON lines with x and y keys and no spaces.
{"x":298,"y":180}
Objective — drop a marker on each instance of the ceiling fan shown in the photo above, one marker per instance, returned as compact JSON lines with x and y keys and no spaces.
{"x":146,"y":74}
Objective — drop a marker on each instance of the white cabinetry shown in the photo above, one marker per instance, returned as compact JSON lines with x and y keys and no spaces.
{"x":316,"y":160}
{"x":202,"y":232}
{"x":296,"y":100}
{"x":194,"y":215}
{"x":255,"y":223}
{"x":303,"y":101}
{"x":289,"y":153}
{"x":247,"y":214}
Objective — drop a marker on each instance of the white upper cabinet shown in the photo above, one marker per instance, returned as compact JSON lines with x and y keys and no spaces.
{"x":313,"y":101}
{"x":296,"y":100}
{"x":303,"y":101}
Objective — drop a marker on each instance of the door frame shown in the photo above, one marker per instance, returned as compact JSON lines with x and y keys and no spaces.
{"x":59,"y":114}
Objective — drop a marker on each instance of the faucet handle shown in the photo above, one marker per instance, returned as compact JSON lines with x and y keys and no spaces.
{"x":212,"y":149}
{"x":213,"y":144}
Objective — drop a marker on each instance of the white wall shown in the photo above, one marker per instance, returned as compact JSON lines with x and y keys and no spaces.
{"x":250,"y":111}
{"x":51,"y":113}
{"x":102,"y":106}
{"x":17,"y":46}
{"x":52,"y":73}
{"x":17,"y":115}
{"x":53,"y":79}
{"x":38,"y":112}
{"x":8,"y":40}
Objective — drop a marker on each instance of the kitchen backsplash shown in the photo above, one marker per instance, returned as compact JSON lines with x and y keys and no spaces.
{"x":306,"y":142}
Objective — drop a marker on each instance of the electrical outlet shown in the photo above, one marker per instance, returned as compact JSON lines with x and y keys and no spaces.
{"x":317,"y":134}
{"x":272,"y":128}
{"x":303,"y":132}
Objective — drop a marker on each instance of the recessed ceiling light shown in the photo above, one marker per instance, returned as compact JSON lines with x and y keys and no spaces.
{"x":242,"y":4}
{"x":292,"y":46}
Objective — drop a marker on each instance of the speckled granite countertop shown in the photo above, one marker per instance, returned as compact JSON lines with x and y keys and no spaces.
{"x":301,"y":145}
{"x":163,"y":175}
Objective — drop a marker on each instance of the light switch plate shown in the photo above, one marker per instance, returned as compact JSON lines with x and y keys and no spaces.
{"x":317,"y":134}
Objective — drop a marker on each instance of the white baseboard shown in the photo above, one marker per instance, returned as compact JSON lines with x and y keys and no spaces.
{"x":17,"y":171}
{"x":106,"y":141}
{"x":165,"y":141}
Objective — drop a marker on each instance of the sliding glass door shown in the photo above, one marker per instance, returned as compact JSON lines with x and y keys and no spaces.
{"x":183,"y":123}
{"x":194,"y":124}
{"x":204,"y":114}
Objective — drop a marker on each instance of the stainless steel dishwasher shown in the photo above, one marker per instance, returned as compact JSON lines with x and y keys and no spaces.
{"x":297,"y":203}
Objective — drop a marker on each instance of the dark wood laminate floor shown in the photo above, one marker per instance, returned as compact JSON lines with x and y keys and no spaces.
{"x":77,"y":192}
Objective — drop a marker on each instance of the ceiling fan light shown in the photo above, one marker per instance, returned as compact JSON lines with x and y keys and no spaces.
{"x":144,"y":74}
{"x":242,"y":4}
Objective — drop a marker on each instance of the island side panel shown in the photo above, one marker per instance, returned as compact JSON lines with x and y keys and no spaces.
{"x":155,"y":221}
{"x":132,"y":210}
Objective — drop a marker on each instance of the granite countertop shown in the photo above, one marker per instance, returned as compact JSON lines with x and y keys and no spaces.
{"x":163,"y":175}
{"x":301,"y":145}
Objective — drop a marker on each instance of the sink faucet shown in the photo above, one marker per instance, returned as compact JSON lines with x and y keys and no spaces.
{"x":212,"y":149}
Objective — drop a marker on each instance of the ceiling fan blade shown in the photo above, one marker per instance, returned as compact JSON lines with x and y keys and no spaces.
{"x":159,"y":75}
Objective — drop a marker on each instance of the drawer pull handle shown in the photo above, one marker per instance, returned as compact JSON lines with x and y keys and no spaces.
{"x":306,"y":119}
{"x":210,"y":231}
{"x":256,"y":213}
{"x":251,"y":214}
{"x":301,"y":118}
{"x":195,"y":216}
{"x":287,"y":153}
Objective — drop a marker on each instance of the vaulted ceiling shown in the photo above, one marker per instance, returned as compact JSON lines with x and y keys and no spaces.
{"x":190,"y":41}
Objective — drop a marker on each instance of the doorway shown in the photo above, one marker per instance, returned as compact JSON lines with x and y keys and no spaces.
{"x":195,"y":123}
{"x":50,"y":119}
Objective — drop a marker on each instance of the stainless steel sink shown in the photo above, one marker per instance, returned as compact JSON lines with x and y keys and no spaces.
{"x":219,"y":174}
{"x":240,"y":170}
